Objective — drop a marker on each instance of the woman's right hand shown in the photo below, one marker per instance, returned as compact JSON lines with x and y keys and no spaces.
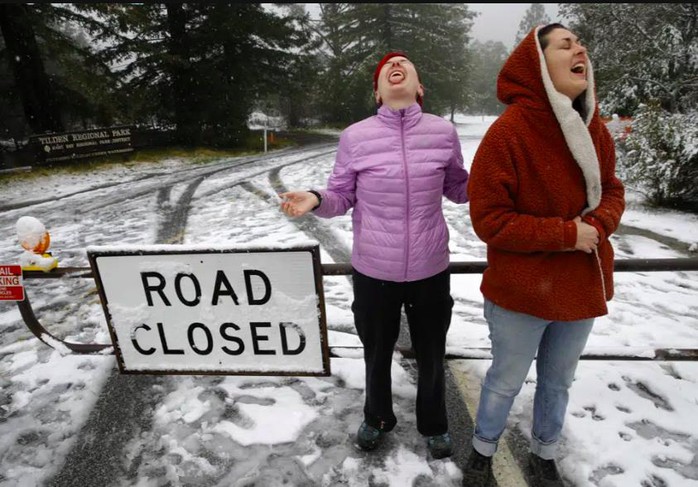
{"x":298,"y":203}
{"x":587,"y":236}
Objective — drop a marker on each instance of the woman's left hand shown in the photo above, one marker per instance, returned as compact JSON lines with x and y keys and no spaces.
{"x":587,"y":236}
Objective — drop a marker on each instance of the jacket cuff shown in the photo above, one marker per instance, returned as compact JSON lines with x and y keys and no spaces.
{"x":594,"y":222}
{"x":319,"y":198}
{"x":570,"y":235}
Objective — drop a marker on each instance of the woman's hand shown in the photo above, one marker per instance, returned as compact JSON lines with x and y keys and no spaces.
{"x":298,"y":203}
{"x":587,"y":236}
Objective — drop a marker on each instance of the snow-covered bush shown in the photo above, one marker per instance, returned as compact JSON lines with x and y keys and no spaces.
{"x":619,"y":127}
{"x":659,"y":156}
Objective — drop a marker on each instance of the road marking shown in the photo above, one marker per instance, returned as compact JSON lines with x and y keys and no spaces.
{"x":505,"y":468}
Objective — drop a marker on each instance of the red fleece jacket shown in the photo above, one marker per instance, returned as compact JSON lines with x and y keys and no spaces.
{"x":529,"y":180}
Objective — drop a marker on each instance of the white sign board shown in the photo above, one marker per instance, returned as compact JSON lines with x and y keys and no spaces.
{"x":175,"y":310}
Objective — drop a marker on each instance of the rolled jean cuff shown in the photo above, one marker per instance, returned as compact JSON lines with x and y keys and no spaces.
{"x":484,"y":447}
{"x":546,"y":451}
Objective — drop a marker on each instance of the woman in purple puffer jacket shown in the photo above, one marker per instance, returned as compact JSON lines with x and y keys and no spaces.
{"x":393,"y":169}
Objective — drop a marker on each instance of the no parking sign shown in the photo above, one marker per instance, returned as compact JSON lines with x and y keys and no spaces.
{"x":11,"y":288}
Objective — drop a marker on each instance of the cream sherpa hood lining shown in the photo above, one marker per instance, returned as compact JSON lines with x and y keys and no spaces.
{"x":575,"y":129}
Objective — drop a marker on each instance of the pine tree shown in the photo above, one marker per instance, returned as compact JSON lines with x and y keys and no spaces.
{"x":534,"y":16}
{"x":641,"y":52}
{"x":434,"y":37}
{"x":488,"y":59}
{"x":201,"y":66}
{"x":645,"y":66}
{"x":32,"y":83}
{"x":296,"y":88}
{"x":76,"y":87}
{"x":12,"y":118}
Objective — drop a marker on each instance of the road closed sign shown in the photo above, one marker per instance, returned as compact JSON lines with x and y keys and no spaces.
{"x":175,"y":309}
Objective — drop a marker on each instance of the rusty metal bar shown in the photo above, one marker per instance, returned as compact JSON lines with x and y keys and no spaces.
{"x":339,"y":269}
{"x":33,"y":324}
{"x":634,"y":354}
{"x":471,"y":267}
{"x":655,"y":265}
{"x":59,"y":272}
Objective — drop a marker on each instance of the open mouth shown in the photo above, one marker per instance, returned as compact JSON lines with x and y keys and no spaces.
{"x":579,"y":68}
{"x":396,"y":77}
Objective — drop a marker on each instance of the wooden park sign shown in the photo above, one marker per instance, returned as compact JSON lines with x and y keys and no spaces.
{"x":79,"y":145}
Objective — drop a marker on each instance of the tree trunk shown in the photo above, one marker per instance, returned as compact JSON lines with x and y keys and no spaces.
{"x":294,"y":118}
{"x":40,"y":106}
{"x":187,"y":130}
{"x":386,"y":27}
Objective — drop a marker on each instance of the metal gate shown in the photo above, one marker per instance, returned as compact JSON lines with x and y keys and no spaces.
{"x":475,"y":267}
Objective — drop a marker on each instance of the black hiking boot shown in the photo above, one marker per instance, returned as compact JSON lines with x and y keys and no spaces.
{"x":543,"y":472}
{"x":440,"y":446}
{"x":368,"y":438}
{"x":478,"y":470}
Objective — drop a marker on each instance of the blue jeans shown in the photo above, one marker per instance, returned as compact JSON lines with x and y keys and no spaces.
{"x":515,"y":339}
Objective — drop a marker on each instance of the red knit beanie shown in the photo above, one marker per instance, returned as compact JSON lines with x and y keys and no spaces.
{"x":382,"y":62}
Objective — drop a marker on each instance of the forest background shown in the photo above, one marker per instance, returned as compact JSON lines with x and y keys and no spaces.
{"x":202,"y":70}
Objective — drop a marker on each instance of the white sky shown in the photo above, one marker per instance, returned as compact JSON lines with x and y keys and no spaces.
{"x":500,"y":21}
{"x":628,"y":423}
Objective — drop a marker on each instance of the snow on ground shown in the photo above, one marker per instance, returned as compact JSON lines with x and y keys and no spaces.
{"x":628,"y":423}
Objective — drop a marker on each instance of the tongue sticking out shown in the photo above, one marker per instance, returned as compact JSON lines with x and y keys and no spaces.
{"x":396,"y":77}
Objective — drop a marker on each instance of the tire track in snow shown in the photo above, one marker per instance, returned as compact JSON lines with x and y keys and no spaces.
{"x":460,"y":422}
{"x":126,"y":404}
{"x":170,"y":177}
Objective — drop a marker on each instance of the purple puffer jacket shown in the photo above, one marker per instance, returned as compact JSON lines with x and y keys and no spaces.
{"x":394,"y":168}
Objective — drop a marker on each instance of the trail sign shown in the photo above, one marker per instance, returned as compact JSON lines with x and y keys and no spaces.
{"x":175,"y":309}
{"x":11,"y":288}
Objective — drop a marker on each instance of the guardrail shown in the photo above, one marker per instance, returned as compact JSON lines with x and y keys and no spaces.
{"x":472,"y":267}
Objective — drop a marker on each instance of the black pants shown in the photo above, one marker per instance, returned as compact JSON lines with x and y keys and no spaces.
{"x":377,"y":306}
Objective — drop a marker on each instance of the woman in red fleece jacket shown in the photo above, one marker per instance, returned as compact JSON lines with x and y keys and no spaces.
{"x":545,"y":198}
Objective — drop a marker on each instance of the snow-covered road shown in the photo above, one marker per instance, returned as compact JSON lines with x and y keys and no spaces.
{"x":628,"y":423}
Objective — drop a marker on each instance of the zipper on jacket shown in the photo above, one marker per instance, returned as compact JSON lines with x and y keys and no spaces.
{"x":407,"y":191}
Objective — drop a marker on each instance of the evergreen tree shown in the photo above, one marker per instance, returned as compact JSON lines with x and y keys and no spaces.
{"x":63,"y":85}
{"x":437,"y":42}
{"x":488,"y":59}
{"x":12,"y":117}
{"x":297,"y":87}
{"x":434,"y":37}
{"x":335,"y":39}
{"x":257,"y":50}
{"x":534,"y":16}
{"x":85,"y":84}
{"x":182,"y":100}
{"x":641,"y":52}
{"x":659,"y":157}
{"x":31,"y":81}
{"x":201,"y":66}
{"x":138,"y":44}
{"x":646,"y":66}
